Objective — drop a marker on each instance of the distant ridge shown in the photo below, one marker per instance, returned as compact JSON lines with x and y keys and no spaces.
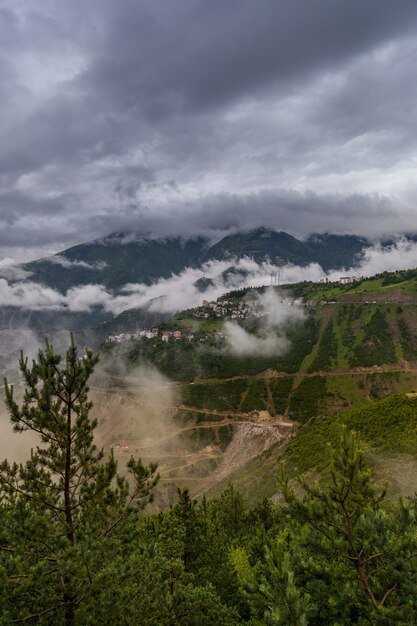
{"x":123,"y":258}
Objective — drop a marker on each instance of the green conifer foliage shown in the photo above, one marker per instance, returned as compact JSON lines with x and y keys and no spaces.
{"x":352,"y":553}
{"x":66,"y":504}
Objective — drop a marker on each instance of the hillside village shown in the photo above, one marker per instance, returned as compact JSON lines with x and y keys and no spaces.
{"x":224,"y":308}
{"x":219,"y":310}
{"x":152,"y":333}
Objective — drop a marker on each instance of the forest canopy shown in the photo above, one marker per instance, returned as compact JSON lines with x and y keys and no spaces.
{"x":78,"y":545}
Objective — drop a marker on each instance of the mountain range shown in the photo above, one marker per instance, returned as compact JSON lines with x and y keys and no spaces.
{"x":219,"y":416}
{"x":123,"y":258}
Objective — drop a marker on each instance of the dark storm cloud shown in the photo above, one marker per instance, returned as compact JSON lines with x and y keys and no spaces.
{"x":194,"y":116}
{"x":199,"y":53}
{"x":15,"y":205}
{"x":219,"y":215}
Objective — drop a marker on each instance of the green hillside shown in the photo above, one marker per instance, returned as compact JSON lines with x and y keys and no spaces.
{"x":345,"y":352}
{"x":280,"y":247}
{"x":334,"y":337}
{"x":117,"y":260}
{"x":336,"y":251}
{"x":185,"y":361}
{"x":355,"y":347}
{"x":388,"y":427}
{"x":330,"y":251}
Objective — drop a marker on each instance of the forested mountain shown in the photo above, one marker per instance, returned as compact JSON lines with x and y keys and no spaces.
{"x":123,"y":258}
{"x":128,"y":258}
{"x":329,"y":251}
{"x":116,"y":260}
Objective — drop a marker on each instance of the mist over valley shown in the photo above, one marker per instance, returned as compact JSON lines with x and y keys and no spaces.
{"x":208,"y":313}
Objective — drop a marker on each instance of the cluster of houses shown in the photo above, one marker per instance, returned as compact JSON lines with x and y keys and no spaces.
{"x":153,"y":333}
{"x":218,"y":310}
{"x":225,"y":309}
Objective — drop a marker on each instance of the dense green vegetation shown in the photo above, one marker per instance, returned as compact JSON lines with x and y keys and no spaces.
{"x":126,"y":258}
{"x":303,"y":398}
{"x":394,"y":278}
{"x":239,"y":395}
{"x":223,"y":396}
{"x":118,"y":260}
{"x":376,"y":347}
{"x":360,"y":324}
{"x":384,"y":287}
{"x":77,"y":545}
{"x":330,"y":251}
{"x":388,"y":425}
{"x":347,"y":354}
{"x":407,"y":336}
{"x":280,"y":391}
{"x":186,"y":361}
{"x":327,"y":350}
{"x":307,"y":399}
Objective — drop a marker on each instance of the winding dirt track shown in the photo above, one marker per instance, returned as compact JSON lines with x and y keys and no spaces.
{"x":405,"y":366}
{"x":180,"y":467}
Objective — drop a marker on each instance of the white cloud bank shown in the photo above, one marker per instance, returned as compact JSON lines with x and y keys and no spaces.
{"x":58,"y":259}
{"x":10,"y":271}
{"x":180,"y":291}
{"x":272,"y":338}
{"x":401,"y":255}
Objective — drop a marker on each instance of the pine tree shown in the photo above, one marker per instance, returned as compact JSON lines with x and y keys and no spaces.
{"x":353,"y":553}
{"x":64,"y":506}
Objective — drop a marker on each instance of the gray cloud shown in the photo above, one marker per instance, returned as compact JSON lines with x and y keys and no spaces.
{"x":291,"y":114}
{"x":276,"y":312}
{"x":301,"y":213}
{"x":198,"y":55}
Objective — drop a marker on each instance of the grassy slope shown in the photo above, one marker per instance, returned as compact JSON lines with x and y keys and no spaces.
{"x":388,"y":427}
{"x":323,"y":370}
{"x":352,"y":335}
{"x":379,"y":285}
{"x":349,"y":354}
{"x":331,"y":374}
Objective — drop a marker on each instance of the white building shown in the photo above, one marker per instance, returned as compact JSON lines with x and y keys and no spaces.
{"x":347,"y":280}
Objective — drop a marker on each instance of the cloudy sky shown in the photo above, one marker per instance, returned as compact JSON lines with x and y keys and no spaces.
{"x":201,"y":116}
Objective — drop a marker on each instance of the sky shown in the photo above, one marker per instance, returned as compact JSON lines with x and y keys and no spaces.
{"x":195,"y":117}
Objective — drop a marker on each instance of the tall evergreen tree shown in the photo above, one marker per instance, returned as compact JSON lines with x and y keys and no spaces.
{"x":337,"y":553}
{"x":352,"y":553}
{"x":64,"y":506}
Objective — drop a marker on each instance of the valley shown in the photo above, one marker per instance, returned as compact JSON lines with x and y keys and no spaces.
{"x":208,"y":313}
{"x":236,"y":418}
{"x":225,"y":390}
